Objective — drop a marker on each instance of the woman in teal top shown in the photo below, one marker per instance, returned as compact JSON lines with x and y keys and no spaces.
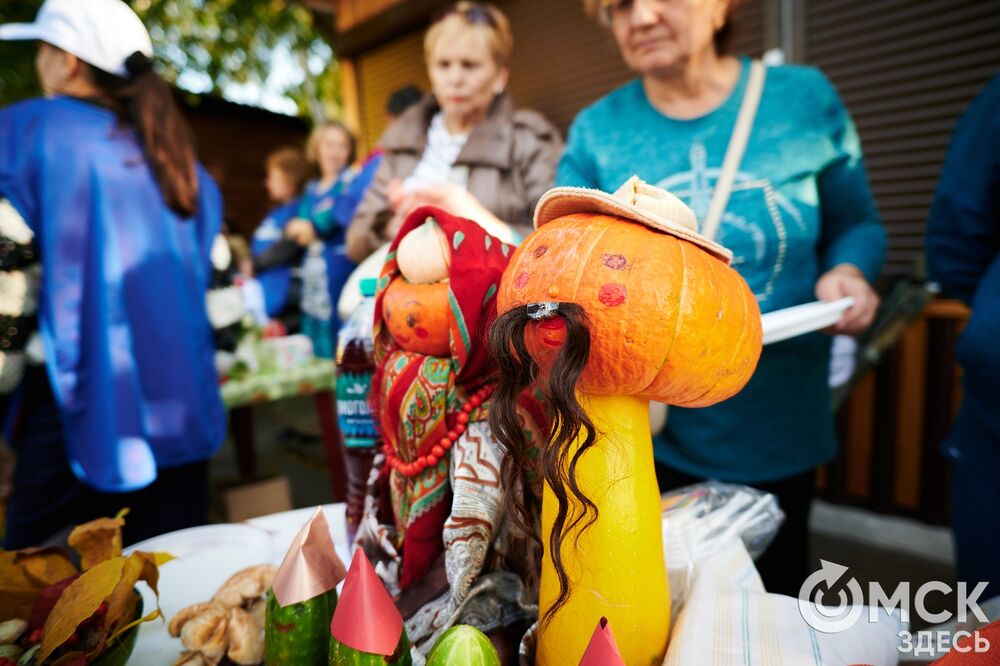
{"x":801,"y":223}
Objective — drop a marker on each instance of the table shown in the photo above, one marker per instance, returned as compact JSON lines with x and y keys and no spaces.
{"x":317,"y":378}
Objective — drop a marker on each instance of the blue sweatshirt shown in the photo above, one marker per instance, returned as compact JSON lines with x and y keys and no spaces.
{"x":800,"y":206}
{"x":128,"y":343}
{"x":963,"y":255}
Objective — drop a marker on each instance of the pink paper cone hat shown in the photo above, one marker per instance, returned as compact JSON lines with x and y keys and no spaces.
{"x":366,"y":619}
{"x":311,"y":565}
{"x":602,"y":649}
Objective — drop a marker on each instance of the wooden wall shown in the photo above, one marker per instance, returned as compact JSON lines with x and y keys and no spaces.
{"x":232,"y":142}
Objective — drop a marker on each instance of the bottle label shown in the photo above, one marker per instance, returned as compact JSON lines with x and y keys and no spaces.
{"x":353,"y":413}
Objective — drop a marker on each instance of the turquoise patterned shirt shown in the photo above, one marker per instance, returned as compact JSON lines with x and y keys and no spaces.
{"x":800,"y":205}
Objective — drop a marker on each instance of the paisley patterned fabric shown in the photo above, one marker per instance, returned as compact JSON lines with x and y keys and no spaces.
{"x":477,"y":582}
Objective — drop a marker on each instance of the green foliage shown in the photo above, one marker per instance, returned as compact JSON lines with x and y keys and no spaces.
{"x":212,"y":46}
{"x":17,"y":71}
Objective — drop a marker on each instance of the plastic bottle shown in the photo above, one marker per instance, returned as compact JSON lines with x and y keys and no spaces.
{"x":355,"y":366}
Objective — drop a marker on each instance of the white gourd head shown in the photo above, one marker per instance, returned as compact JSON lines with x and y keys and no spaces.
{"x":423,"y":255}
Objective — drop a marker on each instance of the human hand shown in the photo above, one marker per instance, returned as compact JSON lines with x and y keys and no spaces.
{"x":847,"y":280}
{"x":301,"y":231}
{"x":395,"y":194}
{"x":454,"y":199}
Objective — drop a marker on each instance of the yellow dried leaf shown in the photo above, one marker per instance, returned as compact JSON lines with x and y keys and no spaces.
{"x":146,"y":618}
{"x":45,"y":566}
{"x":121,"y":604}
{"x":162,"y":558}
{"x":16,"y":602}
{"x":25,"y":573}
{"x":97,"y":541}
{"x":78,"y":602}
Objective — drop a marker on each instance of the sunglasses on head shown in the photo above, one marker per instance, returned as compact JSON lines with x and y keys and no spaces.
{"x":475,"y":14}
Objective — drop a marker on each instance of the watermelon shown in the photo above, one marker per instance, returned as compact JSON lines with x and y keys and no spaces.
{"x":463,"y":645}
{"x":298,"y":633}
{"x":344,"y":655}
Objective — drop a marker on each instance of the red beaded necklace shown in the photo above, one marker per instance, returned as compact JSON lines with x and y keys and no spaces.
{"x":439,"y":450}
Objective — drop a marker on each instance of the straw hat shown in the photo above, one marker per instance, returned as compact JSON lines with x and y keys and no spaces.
{"x":635,"y":200}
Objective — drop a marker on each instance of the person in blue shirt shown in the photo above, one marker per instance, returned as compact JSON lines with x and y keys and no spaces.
{"x":324,"y":213}
{"x":287,"y":171}
{"x":110,"y":227}
{"x":963,"y":256}
{"x":801,"y":223}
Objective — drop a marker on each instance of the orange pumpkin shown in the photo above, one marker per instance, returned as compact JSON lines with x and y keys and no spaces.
{"x":669,"y":321}
{"x":416,"y":316}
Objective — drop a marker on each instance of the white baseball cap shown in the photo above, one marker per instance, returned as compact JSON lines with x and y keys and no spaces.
{"x":102,"y":33}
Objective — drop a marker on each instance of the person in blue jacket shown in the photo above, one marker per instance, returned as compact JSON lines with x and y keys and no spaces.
{"x":109,"y":226}
{"x":963,"y":256}
{"x":273,"y":254}
{"x":800,"y":220}
{"x":324,"y":214}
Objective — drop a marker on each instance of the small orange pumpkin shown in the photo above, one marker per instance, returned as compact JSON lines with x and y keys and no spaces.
{"x":416,"y":316}
{"x":669,"y":321}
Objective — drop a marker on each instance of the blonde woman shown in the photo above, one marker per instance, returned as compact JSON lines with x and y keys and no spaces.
{"x":324,"y":212}
{"x":464,"y":147}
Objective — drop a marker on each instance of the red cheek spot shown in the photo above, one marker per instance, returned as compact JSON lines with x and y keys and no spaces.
{"x":612,"y":294}
{"x":615,"y":262}
{"x":521,"y":280}
{"x":421,"y":332}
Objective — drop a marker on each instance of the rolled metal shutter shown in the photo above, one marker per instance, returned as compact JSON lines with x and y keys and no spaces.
{"x":906,"y":69}
{"x":383,"y":71}
{"x":564,"y":59}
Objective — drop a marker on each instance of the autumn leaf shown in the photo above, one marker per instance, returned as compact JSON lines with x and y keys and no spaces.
{"x":122,"y":602}
{"x":78,"y":602}
{"x":25,"y":573}
{"x":97,"y":541}
{"x":146,"y":618}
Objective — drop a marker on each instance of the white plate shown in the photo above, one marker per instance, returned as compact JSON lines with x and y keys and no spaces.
{"x":207,"y":556}
{"x":194,"y":540}
{"x":791,"y":322}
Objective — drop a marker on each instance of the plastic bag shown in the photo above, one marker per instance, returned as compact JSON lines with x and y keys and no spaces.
{"x":700,"y":520}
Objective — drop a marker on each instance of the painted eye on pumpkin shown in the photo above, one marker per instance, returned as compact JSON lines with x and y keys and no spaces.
{"x":540,"y":250}
{"x":615,"y":262}
{"x":413,"y":320}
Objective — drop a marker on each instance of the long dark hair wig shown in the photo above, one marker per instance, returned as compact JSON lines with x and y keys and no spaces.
{"x":555,"y":464}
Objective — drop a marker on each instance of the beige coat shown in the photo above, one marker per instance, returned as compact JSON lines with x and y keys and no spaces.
{"x":511,"y":156}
